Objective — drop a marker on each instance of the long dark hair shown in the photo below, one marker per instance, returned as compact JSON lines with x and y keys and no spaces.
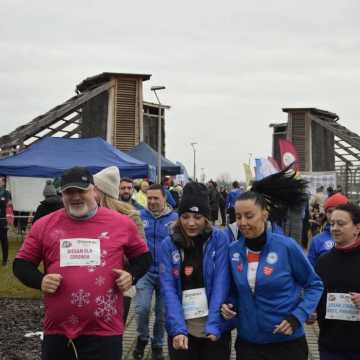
{"x":182,"y":238}
{"x":278,"y":193}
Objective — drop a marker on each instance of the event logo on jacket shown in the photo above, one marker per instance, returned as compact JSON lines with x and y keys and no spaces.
{"x":175,"y":257}
{"x":329,"y":244}
{"x":272,"y":258}
{"x":235,"y":257}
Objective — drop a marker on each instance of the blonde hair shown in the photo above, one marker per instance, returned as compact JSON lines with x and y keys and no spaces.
{"x":123,"y":208}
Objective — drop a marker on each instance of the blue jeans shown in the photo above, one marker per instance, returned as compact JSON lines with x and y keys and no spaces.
{"x":329,"y":355}
{"x":145,"y":287}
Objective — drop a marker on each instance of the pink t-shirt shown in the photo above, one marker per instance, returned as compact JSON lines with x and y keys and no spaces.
{"x":87,"y":302}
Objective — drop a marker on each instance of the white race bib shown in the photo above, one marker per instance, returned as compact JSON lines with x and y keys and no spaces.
{"x":194,"y":303}
{"x":79,"y":252}
{"x":340,"y":307}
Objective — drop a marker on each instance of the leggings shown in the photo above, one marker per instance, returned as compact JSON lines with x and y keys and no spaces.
{"x":202,"y":348}
{"x":287,"y":350}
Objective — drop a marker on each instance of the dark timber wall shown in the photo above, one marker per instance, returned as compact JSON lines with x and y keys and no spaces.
{"x":323,"y":155}
{"x":94,"y":116}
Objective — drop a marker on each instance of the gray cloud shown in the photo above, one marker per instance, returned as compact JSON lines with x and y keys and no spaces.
{"x":229,"y":66}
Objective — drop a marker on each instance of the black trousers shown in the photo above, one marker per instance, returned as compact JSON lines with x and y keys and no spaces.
{"x":4,"y":243}
{"x":232,"y":217}
{"x":223,"y":215}
{"x":286,"y":350}
{"x":58,"y":347}
{"x":201,"y":349}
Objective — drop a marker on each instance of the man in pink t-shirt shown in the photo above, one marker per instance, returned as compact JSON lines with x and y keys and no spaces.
{"x":82,"y":248}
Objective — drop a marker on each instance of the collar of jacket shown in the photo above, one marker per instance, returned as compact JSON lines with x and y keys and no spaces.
{"x":269,"y":235}
{"x":166,"y":211}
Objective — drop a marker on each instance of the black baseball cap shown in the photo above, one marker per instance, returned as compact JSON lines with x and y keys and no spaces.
{"x":77,"y":177}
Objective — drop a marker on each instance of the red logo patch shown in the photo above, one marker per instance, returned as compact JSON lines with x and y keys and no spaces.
{"x":240,"y":267}
{"x":176,"y":273}
{"x":268,"y":270}
{"x":188,"y":270}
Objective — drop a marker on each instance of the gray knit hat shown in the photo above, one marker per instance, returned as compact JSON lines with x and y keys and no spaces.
{"x":49,"y":189}
{"x":108,"y":181}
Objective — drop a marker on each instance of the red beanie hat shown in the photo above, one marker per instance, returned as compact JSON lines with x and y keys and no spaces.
{"x":335,"y":200}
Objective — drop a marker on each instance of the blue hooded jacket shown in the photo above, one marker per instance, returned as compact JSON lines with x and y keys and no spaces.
{"x":216,"y":281}
{"x":231,"y":198}
{"x":156,"y":230}
{"x":286,"y":284}
{"x":320,"y":244}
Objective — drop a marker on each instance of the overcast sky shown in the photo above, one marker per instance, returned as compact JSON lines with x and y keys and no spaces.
{"x":229,"y":66}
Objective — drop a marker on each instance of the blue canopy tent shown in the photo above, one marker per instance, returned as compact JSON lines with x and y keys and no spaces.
{"x":49,"y":157}
{"x":146,"y":153}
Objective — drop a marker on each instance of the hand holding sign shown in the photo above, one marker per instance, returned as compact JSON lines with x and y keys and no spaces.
{"x":355,"y":298}
{"x":50,"y":283}
{"x":124,"y":280}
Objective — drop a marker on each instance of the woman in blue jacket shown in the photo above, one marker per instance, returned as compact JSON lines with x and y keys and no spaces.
{"x":194,"y":276}
{"x":276,"y":288}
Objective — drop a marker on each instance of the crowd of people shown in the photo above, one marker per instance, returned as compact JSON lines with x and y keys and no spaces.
{"x":108,"y":241}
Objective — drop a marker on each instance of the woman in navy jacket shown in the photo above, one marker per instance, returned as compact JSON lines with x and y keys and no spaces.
{"x":194,"y":277}
{"x":276,"y":288}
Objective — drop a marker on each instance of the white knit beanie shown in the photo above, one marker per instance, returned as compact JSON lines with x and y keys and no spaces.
{"x":108,"y":181}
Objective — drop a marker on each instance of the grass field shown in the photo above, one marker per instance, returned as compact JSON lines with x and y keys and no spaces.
{"x":9,"y":286}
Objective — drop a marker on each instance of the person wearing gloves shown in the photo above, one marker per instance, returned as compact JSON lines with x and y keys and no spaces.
{"x":195,"y":281}
{"x":276,"y":288}
{"x":339,"y":308}
{"x":323,"y":243}
{"x":107,"y":183}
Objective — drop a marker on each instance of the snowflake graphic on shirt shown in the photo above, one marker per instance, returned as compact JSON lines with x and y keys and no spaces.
{"x":80,"y":298}
{"x":92,"y":268}
{"x":106,"y":306}
{"x":100,"y":281}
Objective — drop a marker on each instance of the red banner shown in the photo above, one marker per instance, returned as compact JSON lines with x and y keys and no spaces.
{"x":288,"y":154}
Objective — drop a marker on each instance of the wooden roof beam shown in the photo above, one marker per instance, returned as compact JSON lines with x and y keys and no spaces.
{"x":346,"y":161}
{"x":348,"y":150}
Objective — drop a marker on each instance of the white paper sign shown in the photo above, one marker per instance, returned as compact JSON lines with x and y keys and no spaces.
{"x":194,"y":303}
{"x":340,"y":307}
{"x":79,"y":252}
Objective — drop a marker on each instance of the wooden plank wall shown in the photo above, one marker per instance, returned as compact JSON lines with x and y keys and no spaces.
{"x":323,"y":155}
{"x":298,"y":136}
{"x":94,"y":116}
{"x":126,"y":117}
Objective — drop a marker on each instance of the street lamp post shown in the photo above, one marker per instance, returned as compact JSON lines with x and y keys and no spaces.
{"x":154,"y":89}
{"x":194,"y":150}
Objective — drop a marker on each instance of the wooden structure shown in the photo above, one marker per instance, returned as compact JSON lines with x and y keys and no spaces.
{"x":322,"y":145}
{"x":108,"y":105}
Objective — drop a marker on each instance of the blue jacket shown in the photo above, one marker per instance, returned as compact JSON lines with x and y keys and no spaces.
{"x":216,"y":280}
{"x":320,"y":244}
{"x":169,"y":198}
{"x":286,"y":284}
{"x":156,"y":230}
{"x":231,"y":198}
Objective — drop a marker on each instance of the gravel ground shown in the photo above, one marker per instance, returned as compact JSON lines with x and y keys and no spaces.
{"x":17,"y":318}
